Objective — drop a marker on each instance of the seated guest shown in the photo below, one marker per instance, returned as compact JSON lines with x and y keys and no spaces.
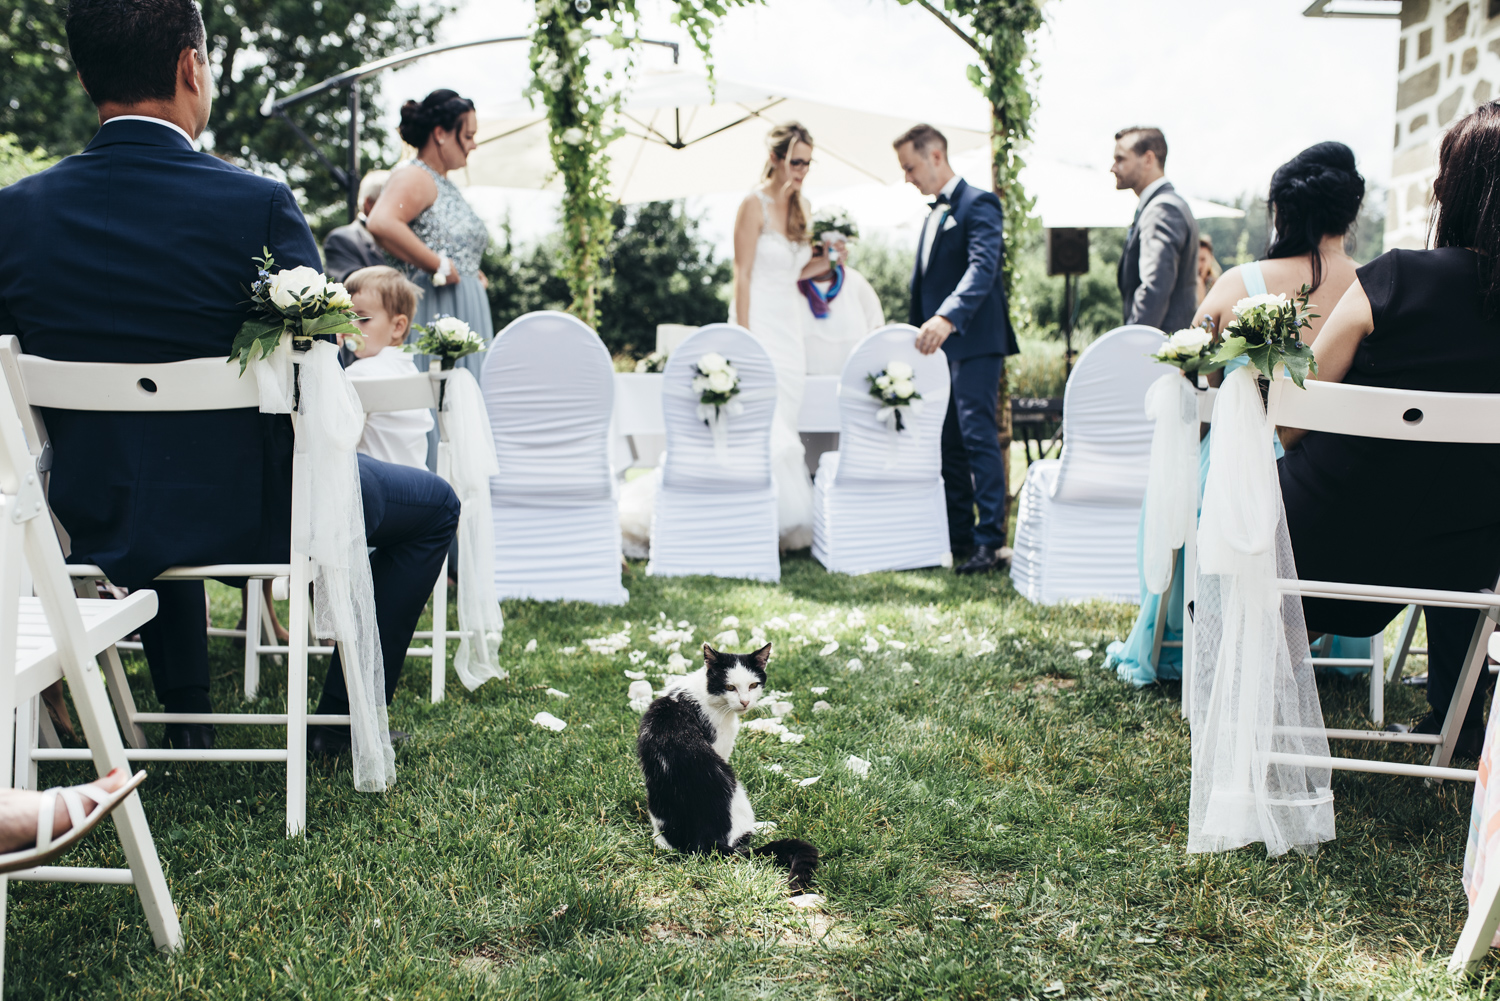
{"x":1314,"y":200}
{"x":1208,"y":266}
{"x":843,"y":310}
{"x":1413,"y":320}
{"x":386,"y":302}
{"x":346,"y":249}
{"x":82,"y":255}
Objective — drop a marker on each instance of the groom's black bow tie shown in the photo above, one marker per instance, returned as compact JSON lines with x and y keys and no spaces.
{"x":939,"y":200}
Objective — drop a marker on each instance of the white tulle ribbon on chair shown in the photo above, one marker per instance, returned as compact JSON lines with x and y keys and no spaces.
{"x":716,"y":416}
{"x":1172,"y":489}
{"x":1258,"y":741}
{"x":331,"y":530}
{"x":472,"y":451}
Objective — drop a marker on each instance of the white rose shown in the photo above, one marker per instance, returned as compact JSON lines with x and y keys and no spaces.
{"x":288,"y":284}
{"x":1189,"y":342}
{"x":720,"y":382}
{"x":883,"y":382}
{"x":338,"y":296}
{"x":899,"y":370}
{"x":712,"y":362}
{"x":1252,"y":302}
{"x":700,"y":384}
{"x":903,"y":388}
{"x":452,"y":326}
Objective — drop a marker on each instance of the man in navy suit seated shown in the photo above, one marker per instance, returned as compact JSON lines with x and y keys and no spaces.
{"x":958,"y":301}
{"x":139,"y":250}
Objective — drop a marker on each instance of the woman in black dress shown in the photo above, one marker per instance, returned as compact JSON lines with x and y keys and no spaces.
{"x":1413,"y":514}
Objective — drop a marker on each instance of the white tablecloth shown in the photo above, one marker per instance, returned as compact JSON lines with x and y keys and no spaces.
{"x":638,"y":419}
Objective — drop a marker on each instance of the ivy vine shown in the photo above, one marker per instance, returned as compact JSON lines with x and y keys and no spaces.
{"x":579,"y":120}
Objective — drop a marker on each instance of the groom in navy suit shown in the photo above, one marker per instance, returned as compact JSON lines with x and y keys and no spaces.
{"x":958,"y":301}
{"x":139,"y":250}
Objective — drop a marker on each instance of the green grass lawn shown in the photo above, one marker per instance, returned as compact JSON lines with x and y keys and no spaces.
{"x":1020,"y":834}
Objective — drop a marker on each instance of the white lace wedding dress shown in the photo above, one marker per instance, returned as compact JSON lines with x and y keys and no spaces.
{"x":776,"y":319}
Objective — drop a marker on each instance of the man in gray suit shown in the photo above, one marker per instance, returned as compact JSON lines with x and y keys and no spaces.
{"x":349,"y":248}
{"x":1158,"y":273}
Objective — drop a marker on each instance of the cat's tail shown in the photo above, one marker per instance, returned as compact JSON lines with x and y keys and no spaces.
{"x":798,"y":857}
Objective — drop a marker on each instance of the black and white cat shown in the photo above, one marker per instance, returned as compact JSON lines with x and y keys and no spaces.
{"x":696,"y":804}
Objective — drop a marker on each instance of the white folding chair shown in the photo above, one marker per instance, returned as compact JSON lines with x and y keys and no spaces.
{"x":55,"y":636}
{"x":198,"y":384}
{"x":1401,"y":415}
{"x":549,"y":389}
{"x":879,"y":501}
{"x":1080,"y":514}
{"x":716,"y":511}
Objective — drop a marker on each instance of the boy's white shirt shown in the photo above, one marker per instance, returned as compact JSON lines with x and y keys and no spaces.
{"x":399,"y":436}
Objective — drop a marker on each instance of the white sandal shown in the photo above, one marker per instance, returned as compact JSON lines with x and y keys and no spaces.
{"x":47,"y":848}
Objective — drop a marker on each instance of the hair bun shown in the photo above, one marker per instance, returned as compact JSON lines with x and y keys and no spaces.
{"x":439,"y":109}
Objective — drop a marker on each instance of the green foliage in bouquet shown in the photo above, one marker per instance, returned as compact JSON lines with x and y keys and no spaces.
{"x":1192,"y":349}
{"x":1267,"y":330}
{"x":298,"y":302}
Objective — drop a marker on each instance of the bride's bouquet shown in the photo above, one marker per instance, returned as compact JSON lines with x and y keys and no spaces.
{"x":300,"y":303}
{"x":896,"y":392}
{"x":1267,"y":330}
{"x":831,"y":224}
{"x":447,"y":338}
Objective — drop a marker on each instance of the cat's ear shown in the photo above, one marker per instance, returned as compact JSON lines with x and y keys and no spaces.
{"x":710,"y":655}
{"x":761,"y":657}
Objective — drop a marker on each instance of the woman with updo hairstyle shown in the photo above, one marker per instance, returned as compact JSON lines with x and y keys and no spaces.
{"x":1313,"y":202}
{"x":1415,"y":514}
{"x":425,"y":225}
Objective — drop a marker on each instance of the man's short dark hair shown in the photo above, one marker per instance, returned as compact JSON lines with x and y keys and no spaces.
{"x":1146,"y":138}
{"x":126,"y":51}
{"x":922,"y":138}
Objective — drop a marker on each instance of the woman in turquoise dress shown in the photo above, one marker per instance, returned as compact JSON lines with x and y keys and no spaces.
{"x":1314,"y":201}
{"x":427,"y":227}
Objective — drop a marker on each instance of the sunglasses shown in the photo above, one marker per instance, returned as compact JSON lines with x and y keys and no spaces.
{"x":799,"y":164}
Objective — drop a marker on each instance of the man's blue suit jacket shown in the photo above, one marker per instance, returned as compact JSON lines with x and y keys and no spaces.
{"x":964,"y":279}
{"x":139,"y":249}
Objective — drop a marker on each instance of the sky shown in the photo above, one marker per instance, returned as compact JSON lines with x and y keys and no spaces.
{"x":1238,"y":86}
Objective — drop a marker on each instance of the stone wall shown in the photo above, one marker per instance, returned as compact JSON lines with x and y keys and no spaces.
{"x":1448,"y":63}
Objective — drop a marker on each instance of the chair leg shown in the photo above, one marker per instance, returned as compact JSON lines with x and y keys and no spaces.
{"x":1403,"y":642}
{"x":1479,"y":930}
{"x":1377,"y":678}
{"x":1464,"y":691}
{"x":1159,"y":628}
{"x":296,"y":698}
{"x":27,"y":728}
{"x":119,"y":695}
{"x":254,"y":628}
{"x":440,"y":634}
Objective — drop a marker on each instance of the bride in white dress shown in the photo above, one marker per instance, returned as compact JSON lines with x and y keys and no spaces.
{"x":772,"y":252}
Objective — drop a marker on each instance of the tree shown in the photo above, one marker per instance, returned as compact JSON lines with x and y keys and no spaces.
{"x":16,"y":163}
{"x":888,"y":268}
{"x":254,"y":45}
{"x":659,"y":270}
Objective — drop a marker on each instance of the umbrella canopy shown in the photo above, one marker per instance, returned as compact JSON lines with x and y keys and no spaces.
{"x":1072,"y":197}
{"x":682,"y":139}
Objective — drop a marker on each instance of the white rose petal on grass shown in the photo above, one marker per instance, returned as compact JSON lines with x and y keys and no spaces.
{"x":796,"y":617}
{"x":765,"y":826}
{"x":806,"y":901}
{"x":905,"y":667}
{"x":821,"y":707}
{"x":556,"y":694}
{"x":819,"y":689}
{"x":727,"y":638}
{"x":531,"y":646}
{"x":872,"y":645}
{"x":640,"y":690}
{"x":764,"y":725}
{"x":859,"y":766}
{"x":1083,"y":654}
{"x":549,"y":721}
{"x":677,"y":664}
{"x":885,"y":630}
{"x":780,"y":709}
{"x":895,"y":644}
{"x":813,"y":780}
{"x":776,"y":622}
{"x":793,"y":738}
{"x":855,"y":664}
{"x":831,"y":647}
{"x":636,"y":675}
{"x":730,"y":622}
{"x":855,"y":619}
{"x":775,"y":768}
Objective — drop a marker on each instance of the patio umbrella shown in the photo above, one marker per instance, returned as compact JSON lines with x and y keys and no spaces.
{"x":681,"y":140}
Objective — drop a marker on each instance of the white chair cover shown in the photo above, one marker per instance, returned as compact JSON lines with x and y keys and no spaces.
{"x":548,"y":385}
{"x":879,"y":502}
{"x":1080,"y":514}
{"x":331,"y":420}
{"x":1259,"y":748}
{"x":716,"y":509}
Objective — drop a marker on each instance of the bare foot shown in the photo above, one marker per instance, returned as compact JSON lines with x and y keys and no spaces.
{"x":20,"y":808}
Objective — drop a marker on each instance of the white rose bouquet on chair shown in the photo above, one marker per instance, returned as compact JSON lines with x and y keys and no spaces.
{"x":1191,"y":349}
{"x":1267,"y":329}
{"x":447,"y":338}
{"x":654,"y":362}
{"x":717,"y":383}
{"x":299,"y":303}
{"x":894,"y":388}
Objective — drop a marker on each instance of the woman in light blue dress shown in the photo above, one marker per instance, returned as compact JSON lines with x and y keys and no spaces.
{"x":1314,"y":200}
{"x":427,"y":227}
